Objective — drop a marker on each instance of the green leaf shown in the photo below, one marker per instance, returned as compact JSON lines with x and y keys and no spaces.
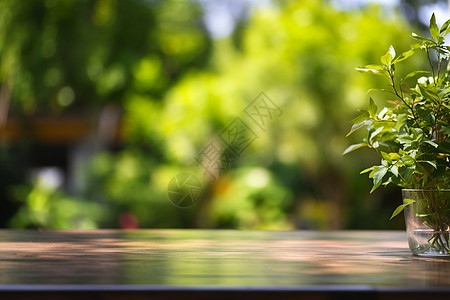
{"x":372,"y":108}
{"x":416,"y":132}
{"x":394,"y":170}
{"x":394,"y":156}
{"x":383,"y":113}
{"x":401,"y":121}
{"x":400,"y":208}
{"x":431,"y":143}
{"x":386,"y":157}
{"x":442,"y":50}
{"x":372,"y":69}
{"x":354,"y":147}
{"x":391,"y":51}
{"x":361,"y":118}
{"x":366,"y":170}
{"x":434,"y":29}
{"x":358,"y":126}
{"x":408,"y":161}
{"x":431,"y":163}
{"x":375,"y":67}
{"x":403,"y":56}
{"x":429,"y":94}
{"x":388,"y":57}
{"x":414,"y":74}
{"x":375,"y":133}
{"x":378,"y":177}
{"x":444,"y":27}
{"x":405,"y":139}
{"x":422,"y":39}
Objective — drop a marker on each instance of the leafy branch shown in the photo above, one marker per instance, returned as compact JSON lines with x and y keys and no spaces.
{"x":411,"y":135}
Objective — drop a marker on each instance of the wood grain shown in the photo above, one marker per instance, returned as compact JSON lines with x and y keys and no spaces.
{"x":177,"y":262}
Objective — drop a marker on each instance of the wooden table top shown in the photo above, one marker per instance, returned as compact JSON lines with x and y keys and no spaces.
{"x":217,"y":260}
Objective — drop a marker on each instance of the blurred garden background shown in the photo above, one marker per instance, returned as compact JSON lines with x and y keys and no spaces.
{"x":103,"y":102}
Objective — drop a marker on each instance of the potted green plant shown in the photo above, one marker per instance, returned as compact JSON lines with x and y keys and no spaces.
{"x":411,"y":134}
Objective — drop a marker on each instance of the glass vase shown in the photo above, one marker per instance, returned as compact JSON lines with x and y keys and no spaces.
{"x":427,"y":221}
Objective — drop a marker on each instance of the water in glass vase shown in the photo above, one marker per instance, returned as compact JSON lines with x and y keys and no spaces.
{"x":428,"y":242}
{"x":427,"y":219}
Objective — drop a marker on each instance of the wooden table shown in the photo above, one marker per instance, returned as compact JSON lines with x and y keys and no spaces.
{"x":219,"y":264}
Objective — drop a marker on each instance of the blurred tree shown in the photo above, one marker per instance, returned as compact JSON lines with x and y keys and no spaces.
{"x":302,"y":55}
{"x":71,"y":57}
{"x":65,"y":55}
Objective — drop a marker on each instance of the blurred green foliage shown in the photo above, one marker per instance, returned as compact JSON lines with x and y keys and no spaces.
{"x":55,"y":52}
{"x":179,"y":89}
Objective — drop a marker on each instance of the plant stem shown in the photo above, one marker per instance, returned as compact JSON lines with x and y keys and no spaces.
{"x":438,"y":241}
{"x":391,"y":76}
